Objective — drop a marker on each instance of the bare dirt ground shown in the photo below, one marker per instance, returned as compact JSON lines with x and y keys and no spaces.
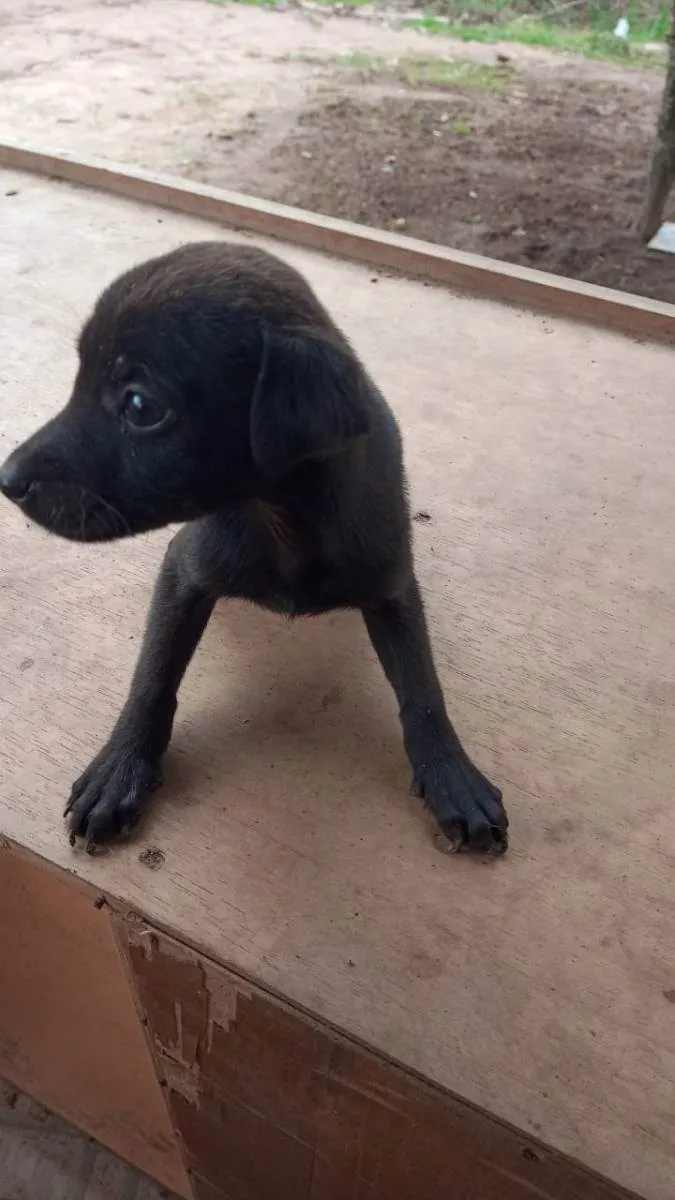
{"x":539,"y":159}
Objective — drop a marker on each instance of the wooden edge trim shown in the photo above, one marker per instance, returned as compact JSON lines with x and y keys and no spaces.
{"x":473,"y":273}
{"x":502,"y":1143}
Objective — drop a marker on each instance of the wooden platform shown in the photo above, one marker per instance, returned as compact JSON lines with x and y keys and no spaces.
{"x":335,"y":1009}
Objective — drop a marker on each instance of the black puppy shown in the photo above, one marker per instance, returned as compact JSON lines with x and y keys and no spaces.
{"x":214,"y":389}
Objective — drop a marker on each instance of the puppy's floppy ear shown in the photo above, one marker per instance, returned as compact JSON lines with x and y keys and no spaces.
{"x":309,"y":400}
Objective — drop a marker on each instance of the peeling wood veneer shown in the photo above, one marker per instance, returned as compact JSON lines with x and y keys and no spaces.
{"x":271,"y":1105}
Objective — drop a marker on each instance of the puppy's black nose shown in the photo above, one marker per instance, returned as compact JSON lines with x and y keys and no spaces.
{"x":13,"y":482}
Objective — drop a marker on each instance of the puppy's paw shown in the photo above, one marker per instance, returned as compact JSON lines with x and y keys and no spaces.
{"x":466,"y":805}
{"x":108,"y":799}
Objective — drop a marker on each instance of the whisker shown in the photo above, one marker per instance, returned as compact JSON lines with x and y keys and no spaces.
{"x":118,"y":520}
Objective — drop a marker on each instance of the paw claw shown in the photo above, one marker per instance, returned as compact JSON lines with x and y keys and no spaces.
{"x":466,"y":805}
{"x":108,"y":799}
{"x":446,"y":844}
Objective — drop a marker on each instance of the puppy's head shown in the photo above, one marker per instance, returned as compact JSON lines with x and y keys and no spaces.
{"x":205,"y":378}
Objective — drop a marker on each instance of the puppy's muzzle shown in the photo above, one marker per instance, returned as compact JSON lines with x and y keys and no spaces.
{"x":15,"y":484}
{"x":38,"y":485}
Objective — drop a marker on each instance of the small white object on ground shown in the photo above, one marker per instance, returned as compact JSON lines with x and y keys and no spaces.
{"x":664,"y":238}
{"x":622,"y":28}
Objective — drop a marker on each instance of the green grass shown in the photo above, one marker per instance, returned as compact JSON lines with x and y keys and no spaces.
{"x":433,"y":72}
{"x":352,"y":3}
{"x":584,"y":27}
{"x":649,"y":20}
{"x":280,"y":3}
{"x":581,"y":27}
{"x":591,"y":43}
{"x":437,"y":73}
{"x":361,"y":62}
{"x":250,"y":3}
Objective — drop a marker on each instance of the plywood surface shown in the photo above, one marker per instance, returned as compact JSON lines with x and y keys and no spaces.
{"x":69,"y":1031}
{"x":270,"y":1104}
{"x":478,"y":275}
{"x":541,"y":987}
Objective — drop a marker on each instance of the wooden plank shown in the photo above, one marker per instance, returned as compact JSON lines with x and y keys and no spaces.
{"x":270,"y":1103}
{"x":69,"y":1032}
{"x":539,"y":989}
{"x":481,"y":276}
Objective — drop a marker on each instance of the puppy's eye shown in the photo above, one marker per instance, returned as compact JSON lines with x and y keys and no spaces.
{"x":143,"y":412}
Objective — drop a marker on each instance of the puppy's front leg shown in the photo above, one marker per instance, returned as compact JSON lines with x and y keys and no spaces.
{"x":108,"y":798}
{"x":466,"y":805}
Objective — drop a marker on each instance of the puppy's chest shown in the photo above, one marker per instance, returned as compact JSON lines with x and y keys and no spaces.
{"x":307,"y":572}
{"x":303,"y":587}
{"x":301,"y":576}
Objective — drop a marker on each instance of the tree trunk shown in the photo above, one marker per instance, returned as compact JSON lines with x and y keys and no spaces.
{"x":662,"y":165}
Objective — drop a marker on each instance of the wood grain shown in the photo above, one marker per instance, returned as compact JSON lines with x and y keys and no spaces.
{"x":481,"y":276}
{"x":538,"y":988}
{"x":271,"y":1104}
{"x":69,"y":1032}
